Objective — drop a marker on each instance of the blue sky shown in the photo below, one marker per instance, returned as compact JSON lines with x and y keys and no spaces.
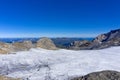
{"x":58,"y":18}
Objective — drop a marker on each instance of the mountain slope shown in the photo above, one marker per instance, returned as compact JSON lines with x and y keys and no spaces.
{"x":102,"y":41}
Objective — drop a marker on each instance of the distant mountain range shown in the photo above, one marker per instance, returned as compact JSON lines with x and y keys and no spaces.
{"x":59,"y":42}
{"x":105,"y":40}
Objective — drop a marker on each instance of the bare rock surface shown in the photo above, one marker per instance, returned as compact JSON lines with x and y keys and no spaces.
{"x":102,"y":41}
{"x":5,"y":47}
{"x":113,"y":34}
{"x":103,"y":75}
{"x":46,"y":43}
{"x":14,"y":47}
{"x":106,"y":40}
{"x":22,"y":46}
{"x":79,"y":45}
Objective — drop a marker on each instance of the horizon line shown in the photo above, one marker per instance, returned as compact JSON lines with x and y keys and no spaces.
{"x":47,"y":37}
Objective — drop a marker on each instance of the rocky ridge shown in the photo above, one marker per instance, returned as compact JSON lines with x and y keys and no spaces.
{"x":45,"y":43}
{"x":102,"y":41}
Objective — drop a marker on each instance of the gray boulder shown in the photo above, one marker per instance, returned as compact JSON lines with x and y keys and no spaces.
{"x":103,"y":75}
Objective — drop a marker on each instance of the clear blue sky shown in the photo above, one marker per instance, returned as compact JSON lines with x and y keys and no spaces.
{"x":58,"y":18}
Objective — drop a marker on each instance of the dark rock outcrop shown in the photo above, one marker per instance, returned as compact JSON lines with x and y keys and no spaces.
{"x":79,"y":45}
{"x":106,"y":40}
{"x":112,"y":35}
{"x":103,"y":75}
{"x":46,"y":43}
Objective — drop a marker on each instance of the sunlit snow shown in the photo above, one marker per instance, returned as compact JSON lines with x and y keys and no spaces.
{"x":41,"y":64}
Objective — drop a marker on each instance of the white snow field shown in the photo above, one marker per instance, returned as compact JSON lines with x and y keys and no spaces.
{"x":41,"y":64}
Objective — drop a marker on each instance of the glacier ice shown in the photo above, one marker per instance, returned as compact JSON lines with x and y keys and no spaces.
{"x":41,"y":64}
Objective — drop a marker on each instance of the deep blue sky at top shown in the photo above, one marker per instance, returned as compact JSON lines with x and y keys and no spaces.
{"x":58,"y":18}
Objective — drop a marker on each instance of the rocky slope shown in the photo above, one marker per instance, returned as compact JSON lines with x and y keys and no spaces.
{"x":103,"y":75}
{"x":22,"y":46}
{"x":45,"y":43}
{"x":79,"y":45}
{"x":114,"y":34}
{"x":106,"y":40}
{"x":14,"y":47}
{"x":5,"y":48}
{"x":111,"y":38}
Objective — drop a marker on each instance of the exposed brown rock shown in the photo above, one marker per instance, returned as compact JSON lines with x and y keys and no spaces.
{"x":3,"y":51}
{"x":46,"y":43}
{"x":22,"y":46}
{"x":5,"y":48}
{"x":7,"y":78}
{"x":103,"y":75}
{"x":14,"y":47}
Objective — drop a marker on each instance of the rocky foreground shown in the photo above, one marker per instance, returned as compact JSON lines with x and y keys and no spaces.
{"x":103,"y":75}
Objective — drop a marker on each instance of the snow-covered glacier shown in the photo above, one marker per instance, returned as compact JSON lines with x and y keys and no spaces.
{"x":41,"y":64}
